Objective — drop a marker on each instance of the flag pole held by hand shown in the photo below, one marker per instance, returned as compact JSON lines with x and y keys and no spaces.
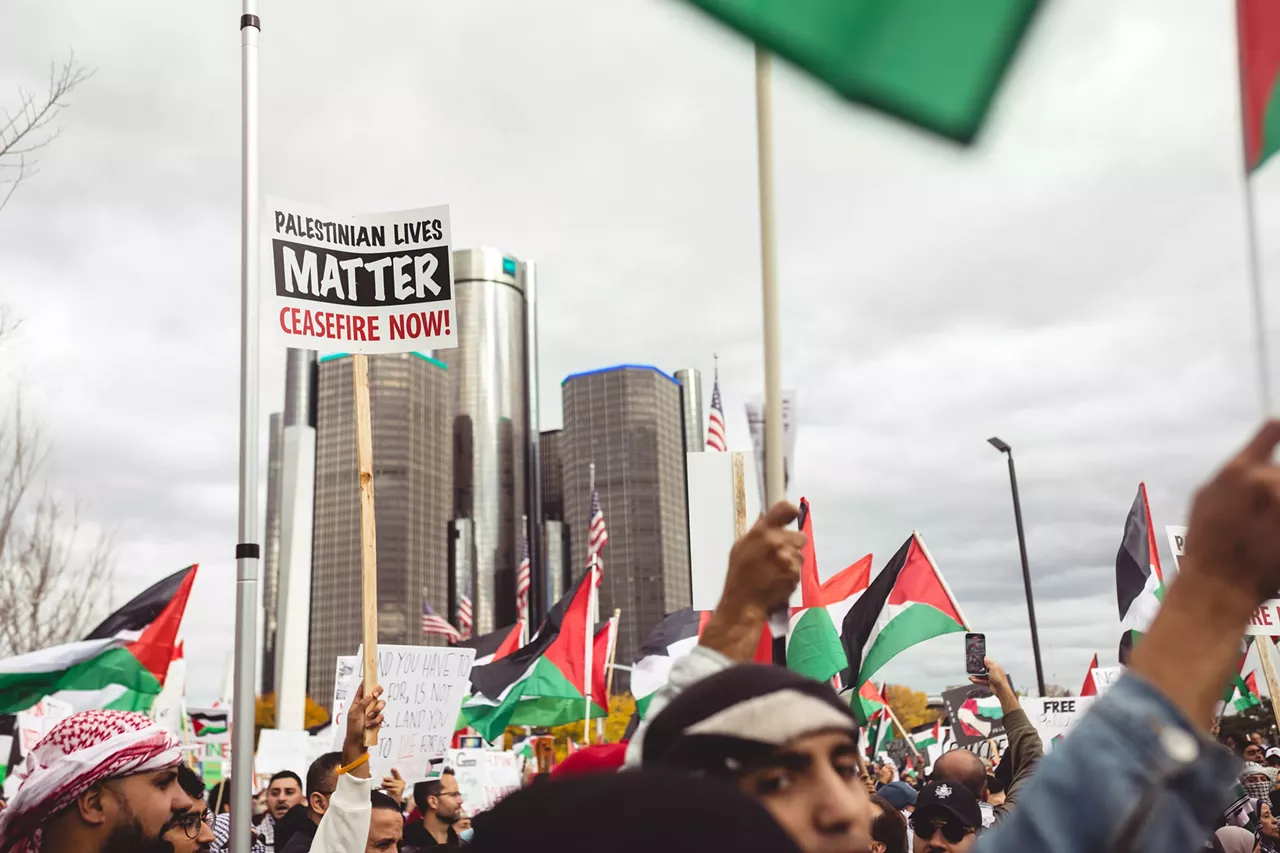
{"x":368,"y":532}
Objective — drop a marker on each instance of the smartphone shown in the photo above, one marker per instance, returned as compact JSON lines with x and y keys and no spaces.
{"x":975,"y":654}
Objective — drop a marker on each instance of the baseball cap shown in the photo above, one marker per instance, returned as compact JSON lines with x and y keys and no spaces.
{"x":939,"y":799}
{"x":1273,"y":752}
{"x":899,"y":794}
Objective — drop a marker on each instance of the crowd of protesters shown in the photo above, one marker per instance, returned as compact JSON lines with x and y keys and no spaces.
{"x":745,"y":757}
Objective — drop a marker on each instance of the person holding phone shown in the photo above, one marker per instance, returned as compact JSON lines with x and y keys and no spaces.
{"x":960,"y":766}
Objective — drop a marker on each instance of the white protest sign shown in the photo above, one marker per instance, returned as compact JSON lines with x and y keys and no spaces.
{"x":423,"y":687}
{"x":35,"y":722}
{"x":375,"y":283}
{"x":484,"y":776}
{"x":1177,"y":544}
{"x":282,"y":750}
{"x":1054,"y":718}
{"x":1266,"y":620}
{"x":755,"y":423}
{"x":345,"y":681}
{"x":1105,"y":677}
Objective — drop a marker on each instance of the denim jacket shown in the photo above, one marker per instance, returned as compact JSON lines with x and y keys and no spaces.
{"x":1133,"y":775}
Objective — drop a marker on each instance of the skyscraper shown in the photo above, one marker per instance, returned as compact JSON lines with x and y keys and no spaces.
{"x":493,"y":401}
{"x":554,"y":531}
{"x":271,"y":551}
{"x":409,"y":406}
{"x":627,"y":421}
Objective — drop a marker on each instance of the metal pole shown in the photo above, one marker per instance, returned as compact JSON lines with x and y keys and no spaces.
{"x":1026,"y":572}
{"x":247,"y":549}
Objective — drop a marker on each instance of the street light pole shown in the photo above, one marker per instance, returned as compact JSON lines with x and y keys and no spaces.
{"x":1022,"y":550}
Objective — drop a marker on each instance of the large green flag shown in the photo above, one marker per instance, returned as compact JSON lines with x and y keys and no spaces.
{"x":935,"y":63}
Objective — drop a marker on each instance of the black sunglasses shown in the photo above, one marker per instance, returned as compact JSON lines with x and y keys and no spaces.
{"x":952,"y":830}
{"x":189,"y":822}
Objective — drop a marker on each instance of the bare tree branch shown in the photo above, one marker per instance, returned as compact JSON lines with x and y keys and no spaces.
{"x":52,"y":581}
{"x":30,"y":125}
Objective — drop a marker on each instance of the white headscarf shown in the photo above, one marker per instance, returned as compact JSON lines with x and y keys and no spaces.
{"x":76,"y":754}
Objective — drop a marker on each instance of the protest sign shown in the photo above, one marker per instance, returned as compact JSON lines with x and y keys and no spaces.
{"x":1266,"y":620}
{"x":1177,"y":544}
{"x":1053,"y":718}
{"x":755,"y":423}
{"x":35,"y":722}
{"x":484,"y":776}
{"x":376,"y":283}
{"x":282,"y":750}
{"x":1105,"y":677}
{"x":976,"y":715}
{"x":345,"y":681}
{"x":423,"y":687}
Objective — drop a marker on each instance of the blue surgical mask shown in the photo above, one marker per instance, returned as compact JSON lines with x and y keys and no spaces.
{"x":465,"y":835}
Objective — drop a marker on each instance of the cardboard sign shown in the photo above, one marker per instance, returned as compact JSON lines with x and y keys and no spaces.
{"x":976,"y":716}
{"x":423,"y":687}
{"x":755,"y":423}
{"x":484,"y":776}
{"x":376,"y":283}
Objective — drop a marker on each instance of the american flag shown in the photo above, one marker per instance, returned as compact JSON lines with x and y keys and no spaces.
{"x":464,"y":616}
{"x":597,"y":533}
{"x":434,"y":623}
{"x":523,"y":581}
{"x":715,"y":424}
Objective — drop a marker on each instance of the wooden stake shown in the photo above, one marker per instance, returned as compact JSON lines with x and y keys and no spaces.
{"x":739,"y":497}
{"x":368,"y":532}
{"x":1263,"y":644}
{"x":613,"y":648}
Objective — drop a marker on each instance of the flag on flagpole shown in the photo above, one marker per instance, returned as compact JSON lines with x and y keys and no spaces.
{"x":524,"y":579}
{"x":1090,"y":688}
{"x":435,"y":624}
{"x":715,"y":423}
{"x":597,"y":533}
{"x":928,"y":737}
{"x":1258,"y":32}
{"x":1139,"y":580}
{"x":466,"y":619}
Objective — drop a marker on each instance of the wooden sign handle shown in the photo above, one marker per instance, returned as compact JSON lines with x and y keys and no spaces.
{"x":368,"y":532}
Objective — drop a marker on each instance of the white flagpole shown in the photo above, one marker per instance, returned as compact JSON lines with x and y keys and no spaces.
{"x":247,"y":549}
{"x":524,"y":623}
{"x":774,"y":461}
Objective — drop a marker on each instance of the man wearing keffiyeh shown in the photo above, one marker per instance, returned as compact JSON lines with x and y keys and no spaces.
{"x":99,"y":782}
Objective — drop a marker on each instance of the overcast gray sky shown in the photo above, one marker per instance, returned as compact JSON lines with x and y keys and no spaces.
{"x":1076,"y":284}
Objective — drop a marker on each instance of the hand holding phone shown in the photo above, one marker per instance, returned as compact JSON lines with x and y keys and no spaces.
{"x":975,"y":654}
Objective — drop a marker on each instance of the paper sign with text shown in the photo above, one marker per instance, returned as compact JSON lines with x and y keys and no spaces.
{"x":423,"y":687}
{"x":375,"y":283}
{"x":484,"y":776}
{"x":1266,"y":620}
{"x":1053,"y":718}
{"x":1105,"y":677}
{"x":344,"y":685}
{"x":1177,"y":544}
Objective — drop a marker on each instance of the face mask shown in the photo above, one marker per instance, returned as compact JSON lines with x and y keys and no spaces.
{"x":465,"y":835}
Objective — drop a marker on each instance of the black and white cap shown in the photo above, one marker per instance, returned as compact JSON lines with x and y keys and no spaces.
{"x":725,"y":724}
{"x":940,"y":799}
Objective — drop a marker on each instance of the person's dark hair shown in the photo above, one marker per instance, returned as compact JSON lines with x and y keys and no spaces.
{"x":319,"y":772}
{"x":191,"y":784}
{"x":963,"y":768}
{"x":285,"y":774}
{"x":995,"y":785}
{"x":539,"y":778}
{"x":890,"y":828}
{"x":383,"y":800}
{"x":219,"y":797}
{"x":429,"y":788}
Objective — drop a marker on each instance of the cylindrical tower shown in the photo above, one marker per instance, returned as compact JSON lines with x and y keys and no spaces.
{"x":489,"y":384}
{"x":690,"y":380}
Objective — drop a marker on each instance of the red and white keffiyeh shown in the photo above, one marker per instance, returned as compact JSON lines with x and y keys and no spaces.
{"x":78,"y":752}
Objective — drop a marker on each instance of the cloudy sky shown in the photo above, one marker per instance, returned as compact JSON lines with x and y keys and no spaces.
{"x":1076,"y":284}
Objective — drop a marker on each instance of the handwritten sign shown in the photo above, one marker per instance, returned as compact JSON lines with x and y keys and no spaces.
{"x":423,"y":687}
{"x":344,"y":687}
{"x":1054,"y":718}
{"x":484,"y":776}
{"x":1105,"y":677}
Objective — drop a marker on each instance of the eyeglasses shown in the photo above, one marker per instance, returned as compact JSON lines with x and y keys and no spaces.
{"x":189,"y":822}
{"x":952,"y":830}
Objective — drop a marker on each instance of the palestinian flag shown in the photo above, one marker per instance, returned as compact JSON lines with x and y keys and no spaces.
{"x":542,"y":684}
{"x":931,"y":736}
{"x":210,"y":725}
{"x":494,"y":646}
{"x":1139,"y":581}
{"x":121,"y":665}
{"x":868,"y":702}
{"x":907,"y":603}
{"x":879,"y":733}
{"x":935,"y":63}
{"x":1258,"y":26}
{"x":1089,"y":688}
{"x":813,"y":646}
{"x":1244,"y":692}
{"x":671,"y":639}
{"x":978,"y":715}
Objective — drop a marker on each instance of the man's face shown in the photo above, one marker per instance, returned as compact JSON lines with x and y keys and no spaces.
{"x":139,"y":808}
{"x":448,"y":805}
{"x":942,"y":833}
{"x":179,"y":834}
{"x":385,"y":831}
{"x":283,"y":795}
{"x":812,"y":789}
{"x":1253,"y":753}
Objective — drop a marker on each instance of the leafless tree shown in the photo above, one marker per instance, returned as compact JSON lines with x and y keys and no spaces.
{"x":54,"y":581}
{"x":31,"y":124}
